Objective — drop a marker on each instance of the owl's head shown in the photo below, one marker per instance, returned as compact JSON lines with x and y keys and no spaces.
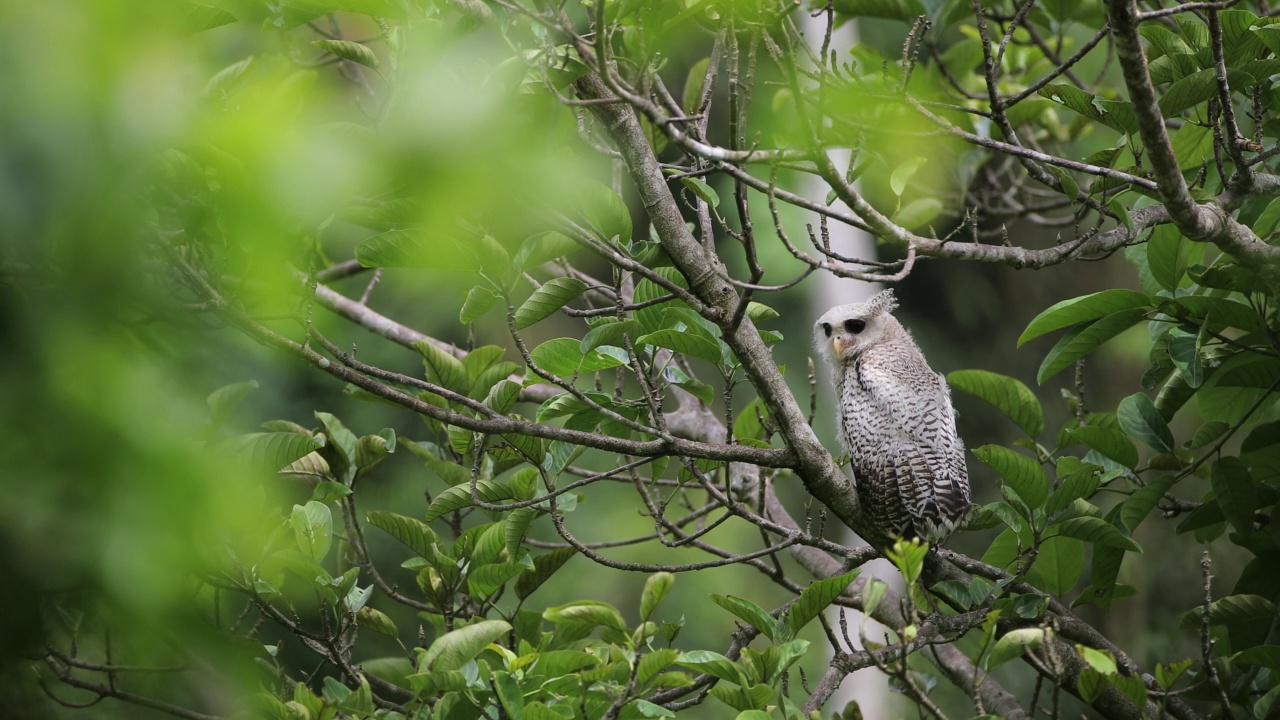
{"x":845,"y":331}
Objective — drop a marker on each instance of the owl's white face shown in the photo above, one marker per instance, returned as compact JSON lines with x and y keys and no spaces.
{"x":844,"y":331}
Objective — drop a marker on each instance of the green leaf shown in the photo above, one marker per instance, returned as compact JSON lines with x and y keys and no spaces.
{"x":918,"y":212}
{"x":477,"y":303}
{"x":1235,"y":493}
{"x":1099,"y":660}
{"x":694,"y":84}
{"x":413,"y":533}
{"x":202,"y":17}
{"x":517,"y":527}
{"x":459,"y":497}
{"x":750,"y":613}
{"x":1058,"y":566}
{"x":312,"y":528}
{"x":1020,"y":473}
{"x":1014,"y":644}
{"x":652,"y":710}
{"x":655,"y":591}
{"x":608,"y":333}
{"x":509,"y":695}
{"x":1168,"y":254}
{"x":1140,"y":419}
{"x":538,"y":249}
{"x":417,"y":248}
{"x":550,"y":297}
{"x":592,"y":612}
{"x":685,"y":342}
{"x":1115,"y":114}
{"x":1230,"y":610}
{"x":544,"y":566}
{"x":1143,"y":500}
{"x":454,"y":649}
{"x":347,"y":50}
{"x":1163,"y":40}
{"x":1097,"y":531}
{"x":1008,"y":395}
{"x":273,"y":450}
{"x":1083,"y":340}
{"x":903,"y":174}
{"x":1167,"y":675}
{"x":443,"y":368}
{"x":702,"y":190}
{"x":1188,"y":92}
{"x":485,"y":580}
{"x":606,"y":213}
{"x":377,"y":621}
{"x":1082,"y":309}
{"x":1111,"y":443}
{"x":653,"y":663}
{"x":903,"y":10}
{"x":563,"y":357}
{"x":223,"y":401}
{"x":713,"y":664}
{"x":815,"y":598}
{"x":1121,"y":212}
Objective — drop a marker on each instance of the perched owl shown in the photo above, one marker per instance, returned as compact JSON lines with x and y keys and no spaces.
{"x":896,"y":421}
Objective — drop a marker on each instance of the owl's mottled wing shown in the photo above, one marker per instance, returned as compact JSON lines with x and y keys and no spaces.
{"x":918,"y":481}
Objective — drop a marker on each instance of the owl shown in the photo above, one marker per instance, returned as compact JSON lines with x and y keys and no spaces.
{"x":896,"y":421}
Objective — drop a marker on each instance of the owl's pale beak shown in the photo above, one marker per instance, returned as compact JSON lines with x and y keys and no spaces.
{"x":837,"y":345}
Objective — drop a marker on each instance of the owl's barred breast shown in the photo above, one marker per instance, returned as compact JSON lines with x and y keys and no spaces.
{"x":899,"y":428}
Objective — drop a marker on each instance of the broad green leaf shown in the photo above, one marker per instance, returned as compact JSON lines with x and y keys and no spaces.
{"x":918,"y":212}
{"x":1083,"y":340}
{"x":1115,"y":114}
{"x":1235,"y":492}
{"x":1014,"y":644}
{"x":903,"y":10}
{"x":517,"y":527}
{"x":1143,"y":500}
{"x":815,"y":598}
{"x":1140,"y":419}
{"x":1058,"y":565}
{"x":485,"y":580}
{"x":202,"y":17}
{"x":1232,"y":609}
{"x":684,"y":342}
{"x":606,"y":213}
{"x":1100,"y":660}
{"x":347,"y":50}
{"x":1007,"y":394}
{"x":564,"y":357}
{"x":459,"y":497}
{"x":652,"y":710}
{"x":1188,"y":92}
{"x":704,"y":191}
{"x":443,"y":368}
{"x":477,"y":303}
{"x":655,"y":591}
{"x":655,"y":662}
{"x":1096,"y":531}
{"x":1111,"y":443}
{"x":1168,"y":254}
{"x":413,"y":533}
{"x":694,"y":84}
{"x":609,"y":333}
{"x":713,"y":664}
{"x":1264,"y":655}
{"x":1163,"y":40}
{"x":509,"y":695}
{"x":417,"y":248}
{"x":454,"y":649}
{"x":1082,"y":309}
{"x":312,"y":528}
{"x":591,"y":612}
{"x":377,"y":621}
{"x":750,"y":613}
{"x":273,"y":450}
{"x":1079,"y":484}
{"x":904,"y":172}
{"x":1167,"y":675}
{"x":550,"y":297}
{"x":538,"y":249}
{"x":223,"y":401}
{"x":1020,"y":473}
{"x":544,"y":566}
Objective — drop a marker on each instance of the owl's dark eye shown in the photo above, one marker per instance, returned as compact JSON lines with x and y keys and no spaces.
{"x":826,"y":328}
{"x":854,"y":326}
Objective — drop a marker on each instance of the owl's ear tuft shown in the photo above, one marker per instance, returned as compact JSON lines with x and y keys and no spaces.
{"x":883,"y":303}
